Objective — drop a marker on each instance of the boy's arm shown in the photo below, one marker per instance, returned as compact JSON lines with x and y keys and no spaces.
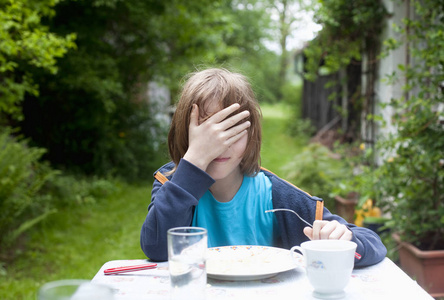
{"x":286,"y":195}
{"x":172,"y":205}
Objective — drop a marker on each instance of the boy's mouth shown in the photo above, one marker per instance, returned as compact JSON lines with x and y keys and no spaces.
{"x":221,"y":159}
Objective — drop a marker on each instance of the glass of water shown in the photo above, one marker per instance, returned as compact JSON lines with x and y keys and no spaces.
{"x":74,"y":289}
{"x":187,"y":247}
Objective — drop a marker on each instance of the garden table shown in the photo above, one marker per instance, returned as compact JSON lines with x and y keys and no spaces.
{"x":382,"y":281}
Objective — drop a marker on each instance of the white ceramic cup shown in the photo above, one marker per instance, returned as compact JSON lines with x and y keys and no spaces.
{"x":329,"y":264}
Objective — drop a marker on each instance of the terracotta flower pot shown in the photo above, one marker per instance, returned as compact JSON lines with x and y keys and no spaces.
{"x":346,"y":207}
{"x":426,"y":267}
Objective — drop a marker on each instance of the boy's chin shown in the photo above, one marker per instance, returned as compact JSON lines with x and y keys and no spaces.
{"x":217,"y":175}
{"x":220,"y":174}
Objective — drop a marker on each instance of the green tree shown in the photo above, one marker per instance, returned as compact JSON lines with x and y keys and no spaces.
{"x":25,"y":44}
{"x":286,"y":12}
{"x":251,"y":22}
{"x":349,"y":28}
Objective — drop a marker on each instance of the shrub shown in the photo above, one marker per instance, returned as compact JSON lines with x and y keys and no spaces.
{"x":316,"y":171}
{"x":31,"y":190}
{"x":21,"y":178}
{"x":68,"y":190}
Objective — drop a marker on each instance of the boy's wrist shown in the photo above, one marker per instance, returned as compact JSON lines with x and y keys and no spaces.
{"x":199,"y":162}
{"x":192,"y":179}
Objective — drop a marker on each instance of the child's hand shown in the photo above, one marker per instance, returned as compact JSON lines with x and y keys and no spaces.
{"x":328,"y":230}
{"x":214,"y":135}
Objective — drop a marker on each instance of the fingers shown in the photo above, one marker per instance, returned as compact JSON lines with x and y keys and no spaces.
{"x":224,"y":113}
{"x":324,"y":230}
{"x":194,"y":117}
{"x":229,"y":122}
{"x":235,"y":133}
{"x":228,"y":129}
{"x":308,"y":231}
{"x":317,"y":227}
{"x":347,"y":236}
{"x":226,"y":122}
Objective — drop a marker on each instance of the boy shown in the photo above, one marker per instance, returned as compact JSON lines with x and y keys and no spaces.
{"x":215,"y":180}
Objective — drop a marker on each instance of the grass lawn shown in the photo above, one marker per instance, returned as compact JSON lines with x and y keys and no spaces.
{"x":278,"y":148}
{"x":77,"y":241}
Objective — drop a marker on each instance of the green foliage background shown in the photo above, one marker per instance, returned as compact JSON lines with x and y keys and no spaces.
{"x":349,"y":28}
{"x":412,"y":177}
{"x":21,"y":178}
{"x":93,"y":116}
{"x":73,"y":86}
{"x":25,"y":43}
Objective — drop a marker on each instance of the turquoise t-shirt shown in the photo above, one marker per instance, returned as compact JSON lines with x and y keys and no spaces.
{"x":241,"y":221}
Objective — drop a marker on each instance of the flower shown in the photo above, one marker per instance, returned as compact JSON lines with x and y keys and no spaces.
{"x":367,"y":210}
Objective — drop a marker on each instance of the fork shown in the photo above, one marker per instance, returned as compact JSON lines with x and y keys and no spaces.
{"x":286,"y":209}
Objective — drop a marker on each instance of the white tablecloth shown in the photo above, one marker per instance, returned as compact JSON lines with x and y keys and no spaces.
{"x":381,"y":281}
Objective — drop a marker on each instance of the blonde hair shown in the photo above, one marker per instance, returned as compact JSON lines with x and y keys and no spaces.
{"x":228,"y":88}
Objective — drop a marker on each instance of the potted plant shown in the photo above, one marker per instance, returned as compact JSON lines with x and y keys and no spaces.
{"x":369,"y":215}
{"x":352,"y":193}
{"x":345,"y":206}
{"x":411,"y":179}
{"x":412,"y":191}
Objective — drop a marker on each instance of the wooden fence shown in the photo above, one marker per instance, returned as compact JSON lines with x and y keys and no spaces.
{"x":334,"y":101}
{"x":315,"y":103}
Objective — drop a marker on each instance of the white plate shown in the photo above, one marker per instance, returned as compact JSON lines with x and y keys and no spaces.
{"x":249,"y":262}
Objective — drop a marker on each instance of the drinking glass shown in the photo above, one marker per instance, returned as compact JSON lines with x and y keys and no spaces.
{"x":74,"y":289}
{"x":187,"y":248}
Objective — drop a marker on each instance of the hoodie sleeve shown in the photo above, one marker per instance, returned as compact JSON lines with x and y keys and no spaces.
{"x":172,"y":205}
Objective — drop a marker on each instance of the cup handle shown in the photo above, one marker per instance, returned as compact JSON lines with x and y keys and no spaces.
{"x":297,"y":248}
{"x":302,"y":251}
